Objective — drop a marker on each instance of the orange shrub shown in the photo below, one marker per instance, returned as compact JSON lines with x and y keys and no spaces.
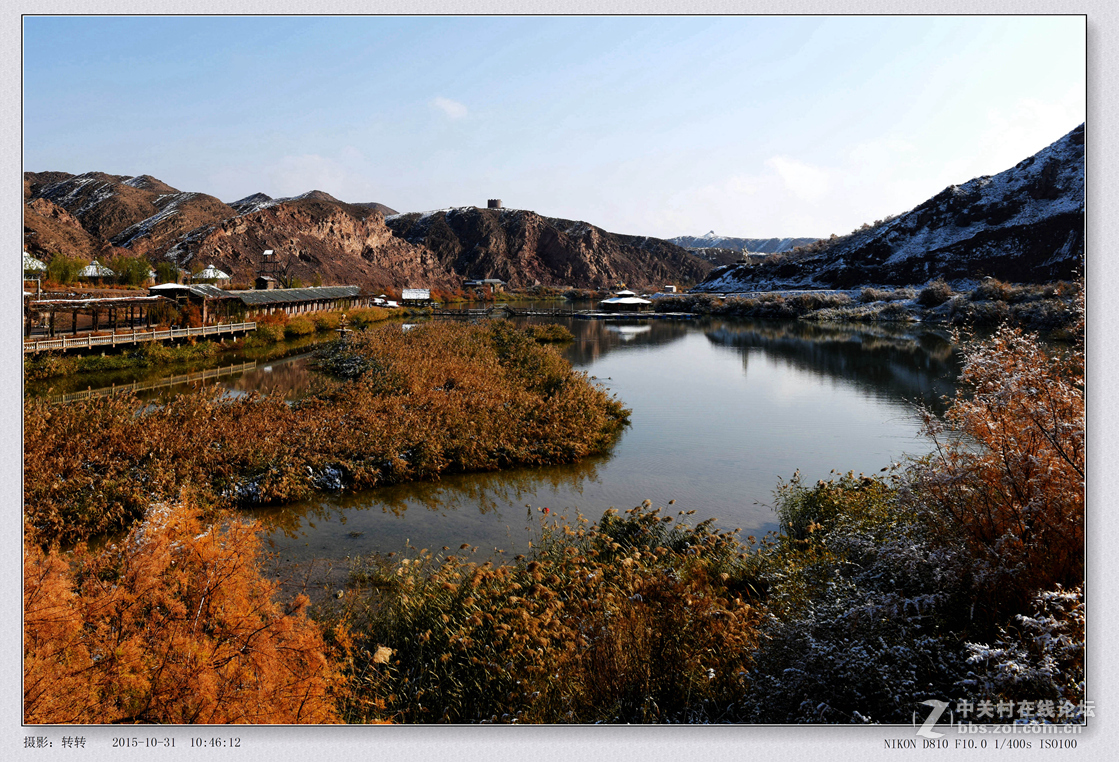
{"x":174,"y":624}
{"x":1014,"y":481}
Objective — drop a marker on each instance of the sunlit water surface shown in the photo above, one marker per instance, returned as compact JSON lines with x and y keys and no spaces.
{"x":721,"y":412}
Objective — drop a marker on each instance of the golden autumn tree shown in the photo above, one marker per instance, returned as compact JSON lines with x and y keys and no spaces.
{"x":1008,"y":470}
{"x":173,"y":624}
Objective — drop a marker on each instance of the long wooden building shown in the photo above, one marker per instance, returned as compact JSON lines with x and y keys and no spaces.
{"x":218,"y":304}
{"x":50,"y":317}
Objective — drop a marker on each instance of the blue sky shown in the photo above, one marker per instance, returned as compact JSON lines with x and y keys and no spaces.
{"x":750,"y":126}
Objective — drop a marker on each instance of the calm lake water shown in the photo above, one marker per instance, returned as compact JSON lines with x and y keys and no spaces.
{"x":721,"y":412}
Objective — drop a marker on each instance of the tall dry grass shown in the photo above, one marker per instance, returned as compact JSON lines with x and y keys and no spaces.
{"x":633,"y":619}
{"x":440,"y":398}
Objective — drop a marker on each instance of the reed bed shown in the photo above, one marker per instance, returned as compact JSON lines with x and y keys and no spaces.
{"x":406,"y":405}
{"x":632,"y":619}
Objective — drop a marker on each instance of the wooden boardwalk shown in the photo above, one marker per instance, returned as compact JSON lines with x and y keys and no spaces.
{"x":139,"y":386}
{"x":91,"y":340}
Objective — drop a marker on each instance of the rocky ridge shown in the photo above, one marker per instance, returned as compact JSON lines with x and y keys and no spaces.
{"x":524,"y":248}
{"x":317,"y":237}
{"x":1023,"y":225}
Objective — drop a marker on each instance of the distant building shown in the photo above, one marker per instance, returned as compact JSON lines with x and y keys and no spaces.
{"x":670,"y":289}
{"x":416,"y":296}
{"x":31,"y":266}
{"x":211,"y":273}
{"x":625,"y":301}
{"x":493,"y":203}
{"x":487,"y":286}
{"x":96,"y":271}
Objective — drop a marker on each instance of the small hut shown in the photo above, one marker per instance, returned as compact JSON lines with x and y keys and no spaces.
{"x":419,"y":297}
{"x":486,"y":286}
{"x":211,"y":274}
{"x":32,"y":268}
{"x":625,"y":301}
{"x":96,"y":271}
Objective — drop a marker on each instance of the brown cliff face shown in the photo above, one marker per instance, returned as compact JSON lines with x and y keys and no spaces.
{"x":313,"y":236}
{"x":139,"y":213}
{"x":50,"y":229}
{"x":522,"y":248}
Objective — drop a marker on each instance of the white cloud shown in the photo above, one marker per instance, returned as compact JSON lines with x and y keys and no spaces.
{"x":804,"y":181}
{"x":452,"y":109}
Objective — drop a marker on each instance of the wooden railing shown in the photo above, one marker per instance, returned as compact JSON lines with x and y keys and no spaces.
{"x":132,"y":337}
{"x":139,"y":386}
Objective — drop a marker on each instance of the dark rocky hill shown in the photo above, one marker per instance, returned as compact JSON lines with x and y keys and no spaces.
{"x":524,"y":248}
{"x":1022,"y":225}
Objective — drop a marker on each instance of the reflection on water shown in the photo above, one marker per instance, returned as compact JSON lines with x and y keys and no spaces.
{"x":494,"y":510}
{"x":151,"y":383}
{"x":891,"y":360}
{"x":721,"y":411}
{"x":596,"y":338}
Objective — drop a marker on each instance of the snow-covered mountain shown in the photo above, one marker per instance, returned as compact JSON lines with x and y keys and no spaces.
{"x":1022,"y":225}
{"x":711,"y":240}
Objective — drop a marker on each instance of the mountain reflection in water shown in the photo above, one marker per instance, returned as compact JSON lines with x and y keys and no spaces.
{"x":906,"y":365}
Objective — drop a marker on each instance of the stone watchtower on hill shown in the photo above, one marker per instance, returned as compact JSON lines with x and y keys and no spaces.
{"x":493,"y":203}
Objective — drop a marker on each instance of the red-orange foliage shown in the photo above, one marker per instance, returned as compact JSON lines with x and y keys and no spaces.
{"x":173,"y":624}
{"x":191,"y":315}
{"x":1014,"y":483}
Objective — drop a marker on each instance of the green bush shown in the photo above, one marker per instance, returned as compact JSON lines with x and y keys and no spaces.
{"x":47,"y":365}
{"x":367,"y":316}
{"x":299,"y":326}
{"x":549,"y":333}
{"x":165,"y":272}
{"x":63,"y":269}
{"x":327,"y":321}
{"x":267,"y":333}
{"x":130,"y":271}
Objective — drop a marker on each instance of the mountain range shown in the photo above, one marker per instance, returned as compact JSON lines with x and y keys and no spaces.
{"x":711,"y":240}
{"x":318,"y":237}
{"x":1025,"y":224}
